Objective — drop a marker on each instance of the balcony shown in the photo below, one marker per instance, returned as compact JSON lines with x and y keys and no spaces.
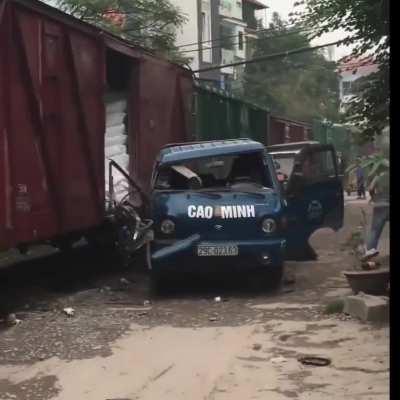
{"x":250,"y":7}
{"x":233,"y":39}
{"x":227,"y":57}
{"x":231,"y":9}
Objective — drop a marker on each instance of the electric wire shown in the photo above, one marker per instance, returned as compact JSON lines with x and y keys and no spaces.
{"x":200,"y":48}
{"x":270,"y":56}
{"x":266,"y":30}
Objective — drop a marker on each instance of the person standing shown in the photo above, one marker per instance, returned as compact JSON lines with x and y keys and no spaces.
{"x":380,"y":191}
{"x":380,"y":215}
{"x":360,"y":181}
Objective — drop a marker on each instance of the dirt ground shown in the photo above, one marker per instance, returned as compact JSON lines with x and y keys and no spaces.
{"x":125,"y":343}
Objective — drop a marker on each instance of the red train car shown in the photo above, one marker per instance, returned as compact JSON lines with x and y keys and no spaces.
{"x":69,"y":92}
{"x":285,"y":130}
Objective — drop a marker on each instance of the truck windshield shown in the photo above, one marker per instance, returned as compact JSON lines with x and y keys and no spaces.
{"x":215,"y":173}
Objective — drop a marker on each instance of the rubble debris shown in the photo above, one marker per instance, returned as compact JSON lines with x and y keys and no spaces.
{"x":105,"y":289}
{"x":146,"y":302}
{"x":367,"y":307}
{"x":278,"y":360}
{"x":287,"y":290}
{"x":213,"y":319}
{"x":69,"y":311}
{"x":217,"y":299}
{"x":257,"y":346}
{"x":142,"y":313}
{"x":370,"y":265}
{"x":124,"y":281}
{"x":12,"y":320}
{"x":289,"y":278}
{"x":315,"y":361}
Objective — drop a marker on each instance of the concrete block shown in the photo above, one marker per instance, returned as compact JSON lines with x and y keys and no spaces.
{"x":367,"y":307}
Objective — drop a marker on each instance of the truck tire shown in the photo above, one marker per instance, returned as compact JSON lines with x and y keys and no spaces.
{"x":273,"y":277}
{"x":270,"y":278}
{"x":303,"y":252}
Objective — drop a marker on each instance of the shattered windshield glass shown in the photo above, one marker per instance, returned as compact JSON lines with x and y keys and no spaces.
{"x":219,"y":172}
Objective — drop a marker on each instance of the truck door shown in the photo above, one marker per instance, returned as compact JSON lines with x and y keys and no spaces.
{"x":314,"y":196}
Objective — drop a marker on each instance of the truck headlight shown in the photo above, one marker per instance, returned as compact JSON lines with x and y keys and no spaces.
{"x":268,"y":225}
{"x":168,"y":227}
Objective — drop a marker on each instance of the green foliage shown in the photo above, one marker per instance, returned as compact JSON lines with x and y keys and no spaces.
{"x":303,"y":86}
{"x":366,"y":23}
{"x":335,"y":307}
{"x":377,"y":167}
{"x":148,"y":23}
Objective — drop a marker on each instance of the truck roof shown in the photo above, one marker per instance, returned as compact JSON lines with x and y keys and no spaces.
{"x":295,"y":148}
{"x":291,"y":147}
{"x":187,"y":151}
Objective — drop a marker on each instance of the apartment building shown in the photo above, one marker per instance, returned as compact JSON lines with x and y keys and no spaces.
{"x":219,"y":32}
{"x":350,"y":70}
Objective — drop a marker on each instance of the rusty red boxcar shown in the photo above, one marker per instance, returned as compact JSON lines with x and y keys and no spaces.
{"x":285,"y":130}
{"x":69,"y":92}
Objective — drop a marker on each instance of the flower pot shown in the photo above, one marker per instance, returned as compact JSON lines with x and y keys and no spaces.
{"x":373,"y":282}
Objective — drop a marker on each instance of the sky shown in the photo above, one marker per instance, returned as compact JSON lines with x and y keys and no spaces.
{"x":284,"y":7}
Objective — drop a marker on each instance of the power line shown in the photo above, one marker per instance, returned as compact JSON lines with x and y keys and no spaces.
{"x":288,"y":66}
{"x":232,"y":36}
{"x":255,"y":39}
{"x":270,"y":56}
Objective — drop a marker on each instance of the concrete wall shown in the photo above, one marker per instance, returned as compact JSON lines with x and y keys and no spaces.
{"x":214,"y":75}
{"x":206,"y":31}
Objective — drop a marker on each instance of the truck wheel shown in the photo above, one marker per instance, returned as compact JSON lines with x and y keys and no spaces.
{"x":302,"y":252}
{"x":270,"y":278}
{"x":273,"y":277}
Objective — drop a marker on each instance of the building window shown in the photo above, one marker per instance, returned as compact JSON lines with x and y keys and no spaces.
{"x":204,"y":26}
{"x":228,"y":37}
{"x":240,"y":40}
{"x":346,"y":88}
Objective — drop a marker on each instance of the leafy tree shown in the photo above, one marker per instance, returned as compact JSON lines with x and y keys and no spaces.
{"x":377,"y":165}
{"x":302,"y":86}
{"x":367,"y":25}
{"x":147,"y":23}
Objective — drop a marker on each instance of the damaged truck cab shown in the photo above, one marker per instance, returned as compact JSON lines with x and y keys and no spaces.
{"x":216,"y":206}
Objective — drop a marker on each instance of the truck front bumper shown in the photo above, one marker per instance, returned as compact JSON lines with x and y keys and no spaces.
{"x":182,"y":255}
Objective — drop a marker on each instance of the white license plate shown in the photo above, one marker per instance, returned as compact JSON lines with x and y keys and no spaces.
{"x":217,"y":251}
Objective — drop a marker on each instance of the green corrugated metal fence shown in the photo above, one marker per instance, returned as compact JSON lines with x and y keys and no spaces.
{"x":219,"y":115}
